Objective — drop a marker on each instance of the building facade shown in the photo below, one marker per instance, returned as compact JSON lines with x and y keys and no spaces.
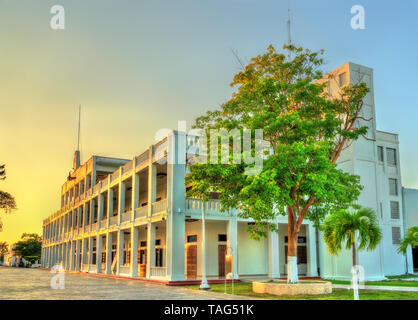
{"x":132,"y":217}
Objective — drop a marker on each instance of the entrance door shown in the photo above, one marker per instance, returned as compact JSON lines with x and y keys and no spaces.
{"x":191,"y":262}
{"x":221,"y":260}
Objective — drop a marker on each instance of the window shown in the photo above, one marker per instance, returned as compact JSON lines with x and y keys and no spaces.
{"x":157,"y":242}
{"x":391,"y":156}
{"x":342,"y":79}
{"x":380,"y":154}
{"x":393,"y":187}
{"x":143,"y":244}
{"x":394,"y":210}
{"x":192,"y":238}
{"x":396,"y":235}
{"x":158,"y":257}
{"x":221,"y":237}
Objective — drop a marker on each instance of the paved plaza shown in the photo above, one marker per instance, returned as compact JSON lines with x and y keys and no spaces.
{"x":30,"y":284}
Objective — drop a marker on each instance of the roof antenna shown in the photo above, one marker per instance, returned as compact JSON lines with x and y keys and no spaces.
{"x":76,"y":162}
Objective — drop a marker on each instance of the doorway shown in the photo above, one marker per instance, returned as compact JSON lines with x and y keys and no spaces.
{"x":191,"y":255}
{"x":221,"y":260}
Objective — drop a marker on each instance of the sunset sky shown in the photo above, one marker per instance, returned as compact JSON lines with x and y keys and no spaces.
{"x":139,"y":66}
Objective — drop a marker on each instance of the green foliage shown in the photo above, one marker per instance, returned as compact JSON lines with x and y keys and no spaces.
{"x":346,"y":227}
{"x":306,"y":130}
{"x":410,"y":239}
{"x":29,"y":247}
{"x":7,"y":201}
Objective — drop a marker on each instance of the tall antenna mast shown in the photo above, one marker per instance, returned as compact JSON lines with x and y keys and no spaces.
{"x":289,"y":36}
{"x":78,"y":137}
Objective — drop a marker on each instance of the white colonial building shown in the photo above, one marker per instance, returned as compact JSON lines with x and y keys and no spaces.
{"x":132,"y":217}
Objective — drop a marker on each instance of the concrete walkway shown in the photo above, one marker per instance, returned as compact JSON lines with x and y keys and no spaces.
{"x":35,"y":284}
{"x":378,"y":288}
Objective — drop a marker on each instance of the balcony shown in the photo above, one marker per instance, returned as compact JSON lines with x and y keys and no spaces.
{"x":114,"y":220}
{"x":94,"y":227}
{"x":127,"y":167}
{"x":159,"y":206}
{"x":141,"y":212}
{"x":126,"y":216}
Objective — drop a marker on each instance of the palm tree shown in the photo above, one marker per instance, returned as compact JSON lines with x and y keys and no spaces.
{"x":410,"y":239}
{"x":351,"y":227}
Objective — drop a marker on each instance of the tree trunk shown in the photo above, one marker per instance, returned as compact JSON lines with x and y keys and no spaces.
{"x":355,"y":279}
{"x":292,"y":255}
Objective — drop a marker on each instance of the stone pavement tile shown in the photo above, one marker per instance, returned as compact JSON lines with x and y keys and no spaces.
{"x":32,"y":284}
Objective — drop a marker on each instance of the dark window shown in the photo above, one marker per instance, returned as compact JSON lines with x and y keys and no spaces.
{"x":143,"y":243}
{"x":300,"y":239}
{"x":394,"y":210}
{"x":380,"y":156}
{"x":192,"y":238}
{"x":396,"y":235}
{"x":157,"y":242}
{"x":158,"y":257}
{"x":391,"y":156}
{"x":393,"y":187}
{"x":221,"y":237}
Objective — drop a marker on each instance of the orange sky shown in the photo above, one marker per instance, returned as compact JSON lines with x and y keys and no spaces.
{"x":140,"y":66}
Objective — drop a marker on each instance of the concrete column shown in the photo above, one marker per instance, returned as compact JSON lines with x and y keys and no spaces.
{"x":72,"y":261}
{"x":108,"y":253}
{"x":150,"y":248}
{"x":77,"y":259}
{"x":135,"y":193}
{"x":152,"y":181}
{"x":274,"y":260}
{"x":119,"y":250}
{"x":176,"y":200}
{"x":121,"y":197}
{"x":99,"y":254}
{"x":67,"y":255}
{"x":90,"y":255}
{"x":100,"y":203}
{"x":311,"y":248}
{"x":84,"y":254}
{"x":134,"y":252}
{"x":232,"y":243}
{"x":109,"y":204}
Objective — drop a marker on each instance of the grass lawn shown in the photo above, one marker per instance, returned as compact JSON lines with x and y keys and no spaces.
{"x":395,"y":283}
{"x":245,"y":289}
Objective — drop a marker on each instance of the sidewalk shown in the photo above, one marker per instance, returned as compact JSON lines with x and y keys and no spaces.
{"x":378,"y":288}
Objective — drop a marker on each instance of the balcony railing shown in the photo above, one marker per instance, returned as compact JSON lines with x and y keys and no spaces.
{"x":158,"y":271}
{"x":113,"y":220}
{"x":159,"y":206}
{"x":94,"y":226}
{"x":142,"y":158}
{"x":212,"y":207}
{"x":114,"y":176}
{"x":127,"y":167}
{"x":126,"y":216}
{"x":141,"y":212}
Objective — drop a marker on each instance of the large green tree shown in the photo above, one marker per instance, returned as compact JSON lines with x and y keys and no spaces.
{"x":284,"y":95}
{"x":7,"y":201}
{"x":29,"y":247}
